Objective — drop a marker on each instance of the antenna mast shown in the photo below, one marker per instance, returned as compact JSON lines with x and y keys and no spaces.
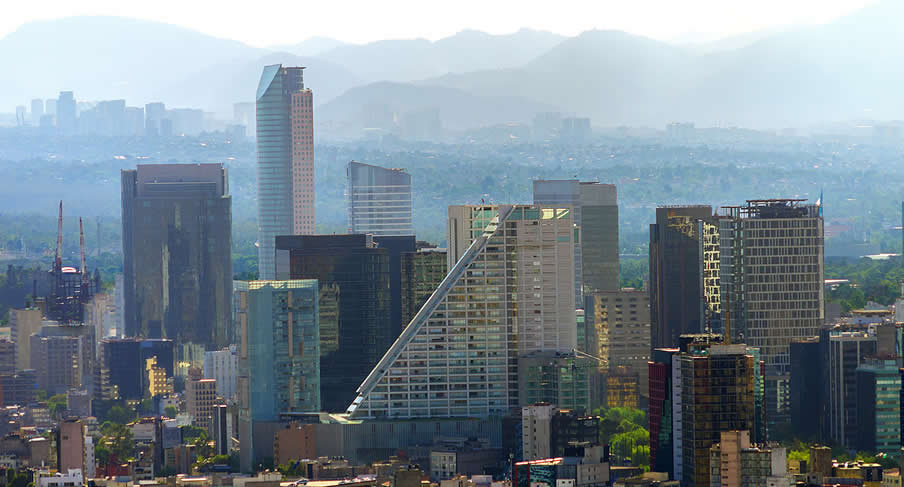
{"x":81,"y":243}
{"x":58,"y":261}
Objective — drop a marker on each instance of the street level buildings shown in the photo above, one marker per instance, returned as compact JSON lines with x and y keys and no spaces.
{"x":285,"y":160}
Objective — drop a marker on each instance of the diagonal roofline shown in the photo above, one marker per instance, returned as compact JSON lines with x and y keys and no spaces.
{"x":420,"y":319}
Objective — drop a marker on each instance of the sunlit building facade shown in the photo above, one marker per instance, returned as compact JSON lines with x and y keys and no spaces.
{"x":285,"y":160}
{"x":509,"y":292}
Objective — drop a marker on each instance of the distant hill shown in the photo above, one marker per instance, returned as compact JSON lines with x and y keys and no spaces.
{"x":458,"y":109}
{"x":611,"y":76}
{"x":850,"y":68}
{"x":236,"y":82}
{"x":415,"y":59}
{"x":309,"y":47}
{"x":106,"y":58}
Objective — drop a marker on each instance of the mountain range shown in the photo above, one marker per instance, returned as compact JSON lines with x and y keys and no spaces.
{"x":847,"y":69}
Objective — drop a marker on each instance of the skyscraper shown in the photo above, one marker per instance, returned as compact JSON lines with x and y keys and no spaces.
{"x":772,"y":271}
{"x":37,"y":111}
{"x":285,"y":160}
{"x":620,"y":322}
{"x":717,"y":395}
{"x":595,"y":209}
{"x":422,"y":272}
{"x":66,"y":113}
{"x":684,"y":273}
{"x":509,"y":292}
{"x":122,"y":366}
{"x":352,"y":272}
{"x":379,"y":200}
{"x":279,"y":357}
{"x":177,"y":253}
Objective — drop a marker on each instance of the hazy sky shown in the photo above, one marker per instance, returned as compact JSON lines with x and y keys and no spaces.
{"x":268,"y":22}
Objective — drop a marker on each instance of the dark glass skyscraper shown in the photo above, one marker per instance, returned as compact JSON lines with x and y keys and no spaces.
{"x":684,"y":279}
{"x":354,"y":271}
{"x":285,"y":160}
{"x":121,"y":366}
{"x":177,"y":253}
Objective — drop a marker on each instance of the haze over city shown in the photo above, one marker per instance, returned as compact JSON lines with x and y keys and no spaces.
{"x":422,"y":244}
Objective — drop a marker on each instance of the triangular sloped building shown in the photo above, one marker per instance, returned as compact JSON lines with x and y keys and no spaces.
{"x":509,"y":292}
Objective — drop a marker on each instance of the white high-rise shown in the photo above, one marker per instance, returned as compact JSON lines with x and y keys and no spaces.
{"x":379,"y":200}
{"x":509,"y":292}
{"x":222,"y":365}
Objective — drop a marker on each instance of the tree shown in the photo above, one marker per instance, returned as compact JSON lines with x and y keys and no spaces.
{"x":121,"y":415}
{"x":170,"y":411}
{"x":57,"y":404}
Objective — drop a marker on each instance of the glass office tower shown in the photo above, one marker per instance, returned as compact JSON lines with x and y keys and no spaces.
{"x":285,"y":160}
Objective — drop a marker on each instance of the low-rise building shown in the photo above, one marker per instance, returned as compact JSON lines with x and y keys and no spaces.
{"x":72,"y":478}
{"x":580,"y":467}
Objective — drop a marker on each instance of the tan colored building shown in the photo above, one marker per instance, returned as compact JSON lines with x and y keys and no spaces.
{"x":200,"y":397}
{"x":158,"y":383}
{"x":70,"y":437}
{"x":23,"y":323}
{"x":619,"y":333}
{"x":296,"y":442}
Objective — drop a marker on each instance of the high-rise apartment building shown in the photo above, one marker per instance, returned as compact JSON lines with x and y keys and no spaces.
{"x":200,"y":398}
{"x":879,"y":407}
{"x":717,"y":395}
{"x":772,"y":275}
{"x":565,"y":380}
{"x":684,"y":273}
{"x":772,"y":282}
{"x":379,"y":200}
{"x":159,"y":384}
{"x":353,"y":275}
{"x":58,"y":361}
{"x":846,"y":351}
{"x":619,"y":325}
{"x":70,"y":444}
{"x":66,"y":113}
{"x":222,"y":365}
{"x":422,"y":271}
{"x":7,"y":356}
{"x":63,"y":355}
{"x":23,"y":323}
{"x":285,"y":160}
{"x":665,"y":406}
{"x":595,"y":208}
{"x":177,"y":253}
{"x":37,"y":111}
{"x":279,"y":357}
{"x":509,"y":292}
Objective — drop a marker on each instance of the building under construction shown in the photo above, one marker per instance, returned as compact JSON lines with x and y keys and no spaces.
{"x":70,"y":287}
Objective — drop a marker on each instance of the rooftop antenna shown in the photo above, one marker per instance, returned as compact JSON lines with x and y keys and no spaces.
{"x":57,"y":261}
{"x":81,"y":244}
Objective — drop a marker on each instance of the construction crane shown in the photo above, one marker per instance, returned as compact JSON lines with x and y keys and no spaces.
{"x":587,"y":355}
